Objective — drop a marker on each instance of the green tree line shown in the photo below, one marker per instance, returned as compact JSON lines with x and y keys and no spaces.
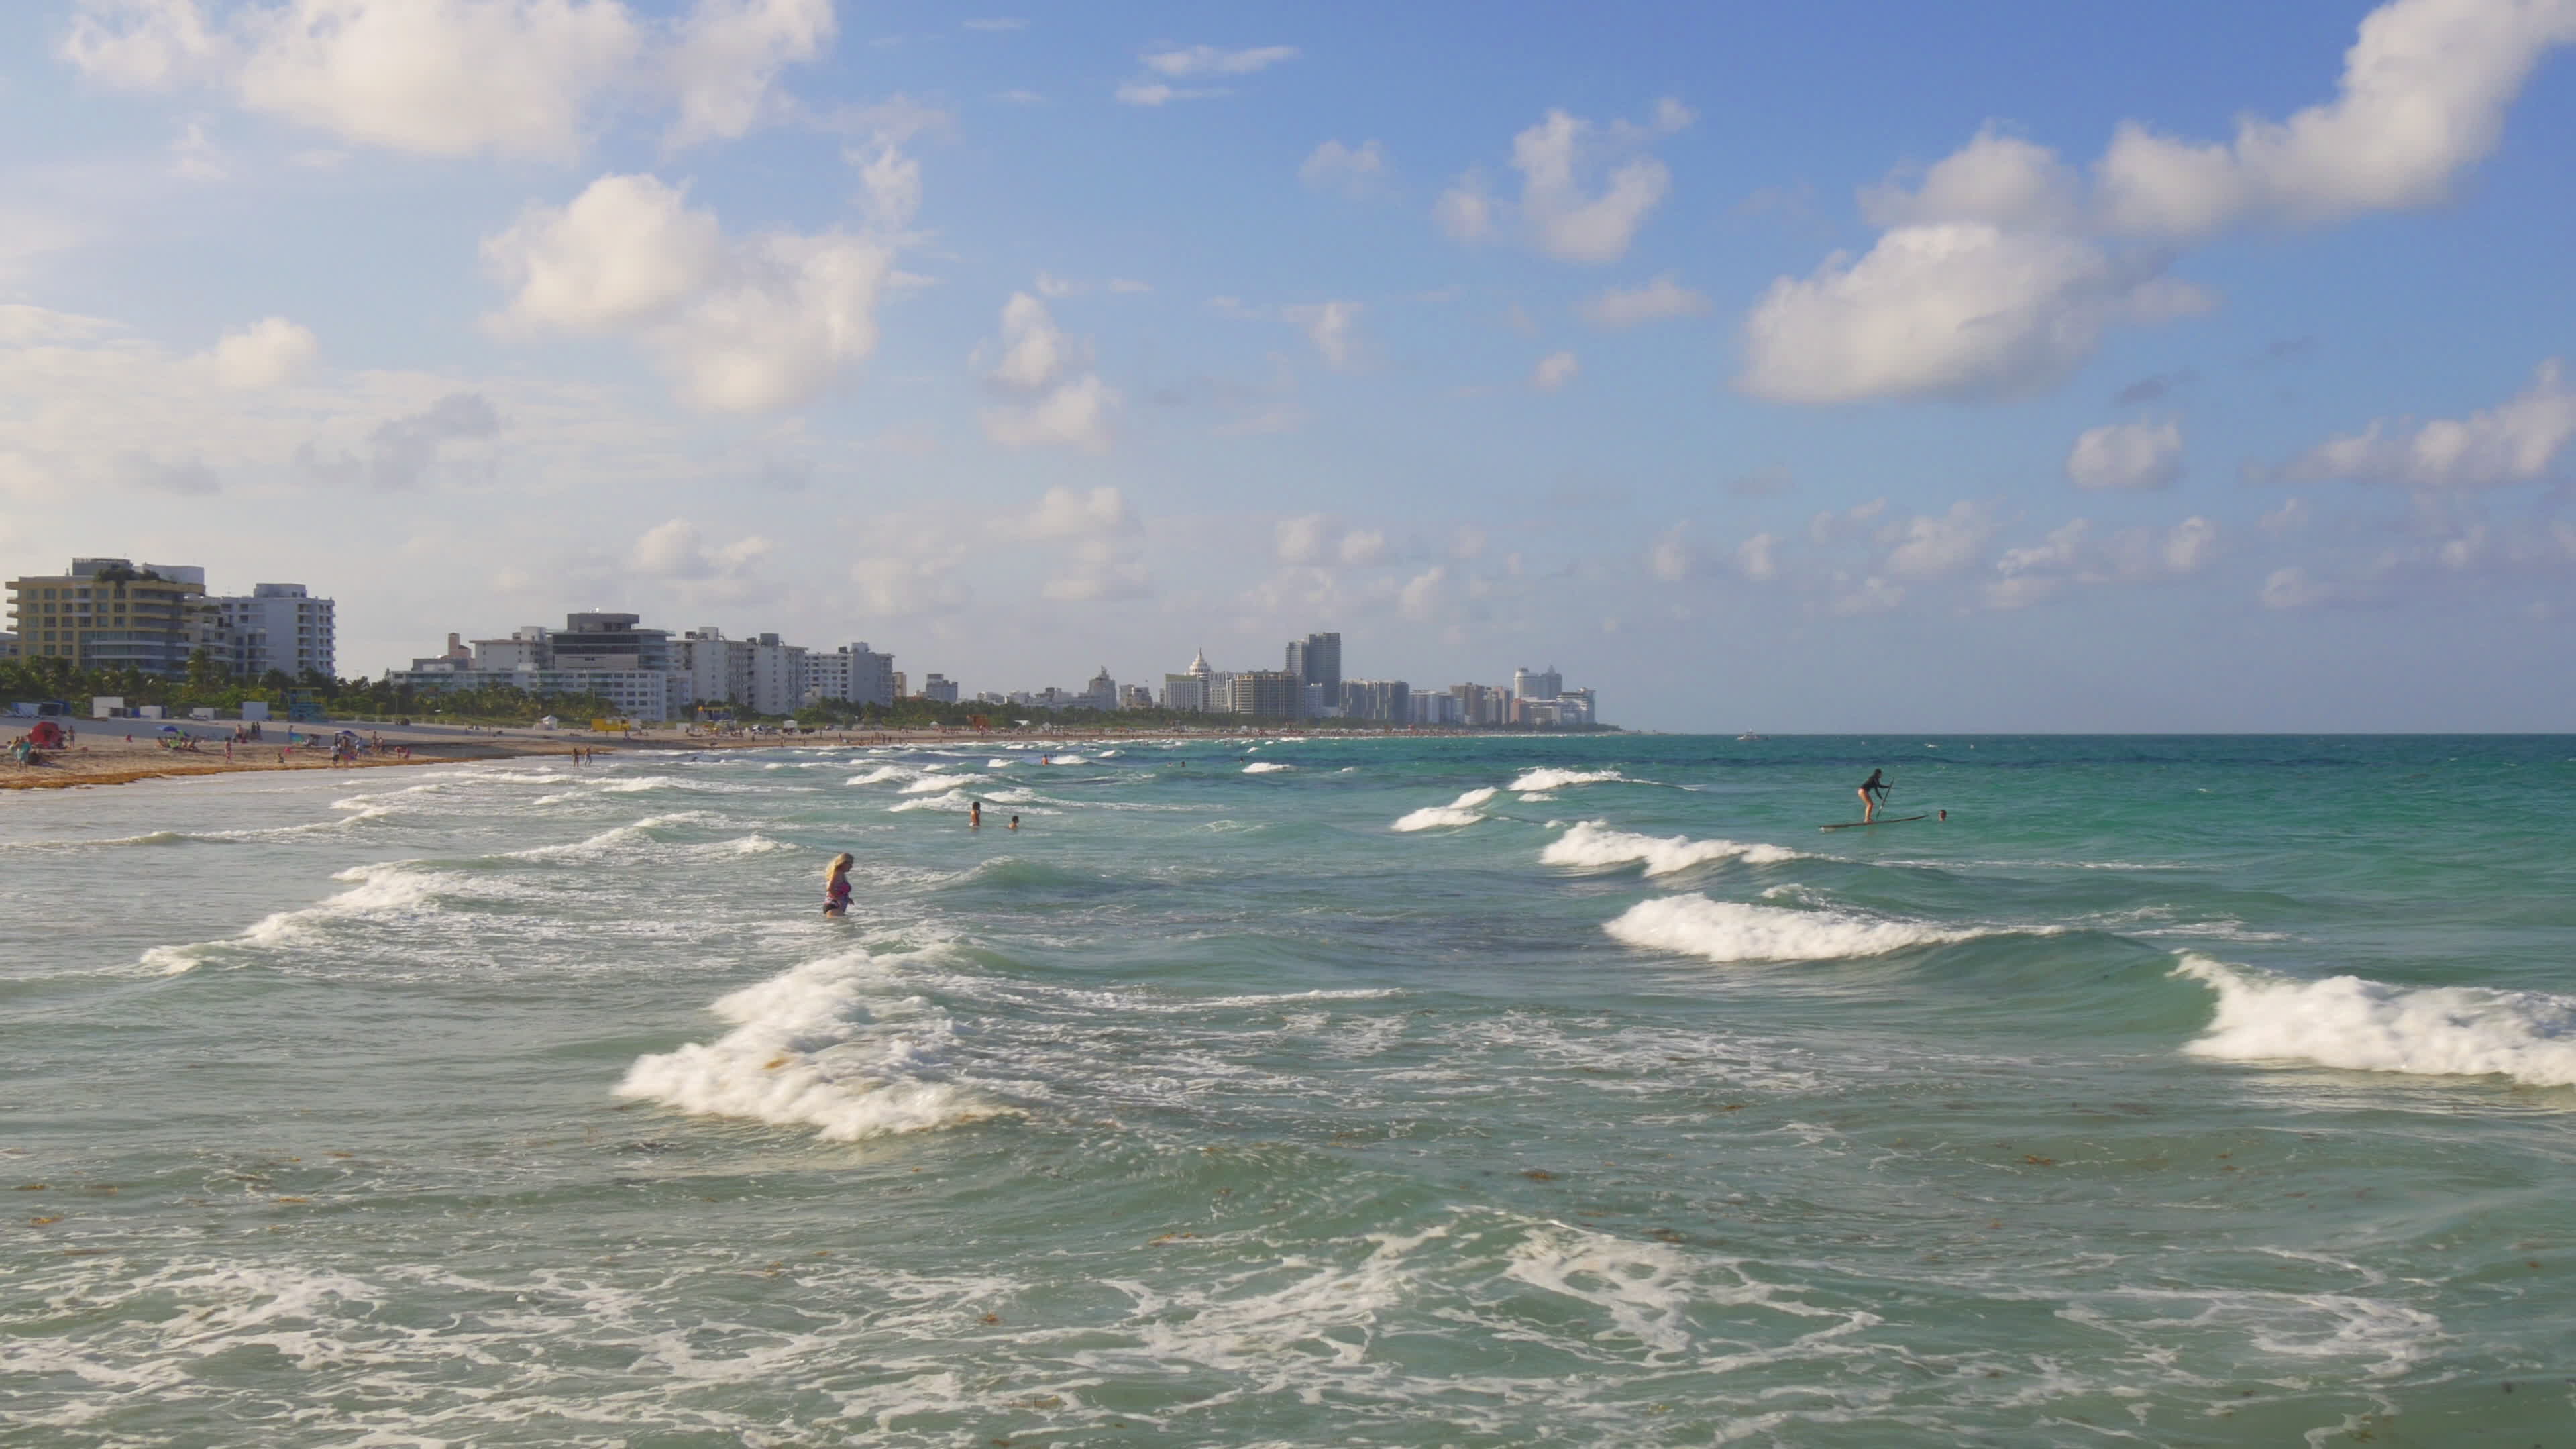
{"x":207,"y":686}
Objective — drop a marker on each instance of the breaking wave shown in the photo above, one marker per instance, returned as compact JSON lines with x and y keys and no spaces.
{"x":1593,"y":843}
{"x":833,"y":1045}
{"x":1551,"y":779}
{"x":1694,"y":925}
{"x":1461,"y":811}
{"x":2372,"y":1026}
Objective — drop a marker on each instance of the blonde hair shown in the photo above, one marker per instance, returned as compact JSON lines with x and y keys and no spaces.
{"x":840,"y":863}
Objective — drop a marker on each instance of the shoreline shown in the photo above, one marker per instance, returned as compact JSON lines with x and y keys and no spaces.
{"x":124,"y":761}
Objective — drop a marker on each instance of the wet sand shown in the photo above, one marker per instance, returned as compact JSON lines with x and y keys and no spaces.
{"x":102,"y":753}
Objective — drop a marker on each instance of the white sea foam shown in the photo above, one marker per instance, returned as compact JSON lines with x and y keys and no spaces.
{"x":833,"y":1044}
{"x":1461,"y":811}
{"x":1593,"y":843}
{"x":1554,"y":779}
{"x":1694,"y":925}
{"x":999,"y":764}
{"x":2373,"y":1026}
{"x":883,"y":773}
{"x":929,"y":784}
{"x":1264,"y":767}
{"x":381,"y":894}
{"x":960,"y":801}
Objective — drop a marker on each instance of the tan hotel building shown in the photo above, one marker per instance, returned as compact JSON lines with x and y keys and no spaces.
{"x":108,"y":614}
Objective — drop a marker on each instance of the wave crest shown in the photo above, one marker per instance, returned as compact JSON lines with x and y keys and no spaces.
{"x":1694,"y":925}
{"x":1461,"y":811}
{"x":1594,"y":843}
{"x":2372,"y":1026}
{"x":826,"y":1045}
{"x":1550,"y":779}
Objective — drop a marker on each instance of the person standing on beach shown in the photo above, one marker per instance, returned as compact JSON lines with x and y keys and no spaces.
{"x":1872,"y":791}
{"x":836,"y":886}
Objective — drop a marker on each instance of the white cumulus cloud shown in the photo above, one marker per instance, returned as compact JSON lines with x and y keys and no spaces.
{"x":1952,"y":308}
{"x":1049,"y":406}
{"x":264,"y":354}
{"x":753,"y":324}
{"x":2423,"y":96}
{"x":1554,"y":371}
{"x":725,"y":66}
{"x":1665,"y":296}
{"x":1196,"y":60}
{"x":1999,"y":271}
{"x":1067,"y":513}
{"x":2127,"y":455}
{"x":1352,"y":170}
{"x":1331,"y":326}
{"x":2515,"y":442}
{"x":676,"y":550}
{"x":1931,"y":546}
{"x":460,"y":77}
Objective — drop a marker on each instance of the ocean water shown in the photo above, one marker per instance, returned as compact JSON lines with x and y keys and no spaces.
{"x":2190,"y":1091}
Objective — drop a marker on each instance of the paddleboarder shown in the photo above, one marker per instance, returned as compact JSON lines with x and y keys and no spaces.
{"x":1872,"y":791}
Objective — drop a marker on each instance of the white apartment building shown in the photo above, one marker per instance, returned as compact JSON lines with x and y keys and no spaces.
{"x":853,"y":673}
{"x":939,"y":687}
{"x":1432,"y":709}
{"x":777,"y":676}
{"x":1530,"y":683}
{"x":280,"y":627}
{"x":717,"y":669}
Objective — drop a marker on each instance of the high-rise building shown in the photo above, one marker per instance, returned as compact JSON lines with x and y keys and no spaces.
{"x":1482,"y":704}
{"x":1433,"y":708}
{"x":105,"y":613}
{"x":1102,"y":693}
{"x":1268,"y":694}
{"x":1135,"y":696}
{"x":940,"y":688}
{"x":777,"y":676}
{"x":610,"y":641}
{"x":717,"y":670}
{"x":852,"y":674}
{"x":1317,"y":659}
{"x":1537,"y":683}
{"x":278,"y":627}
{"x":1188,"y":691}
{"x":1387,"y":701}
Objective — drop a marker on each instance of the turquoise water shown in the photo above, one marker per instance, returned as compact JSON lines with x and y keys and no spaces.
{"x":2173,"y":1091}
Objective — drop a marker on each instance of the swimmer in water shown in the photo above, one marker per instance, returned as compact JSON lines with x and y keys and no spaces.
{"x":975,"y":815}
{"x":1872,"y":791}
{"x":836,"y":885}
{"x":1015,"y":822}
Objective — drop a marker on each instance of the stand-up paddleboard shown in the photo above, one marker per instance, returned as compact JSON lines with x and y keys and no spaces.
{"x":1865,"y":824}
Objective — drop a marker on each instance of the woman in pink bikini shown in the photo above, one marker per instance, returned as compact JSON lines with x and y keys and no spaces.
{"x":836,"y":886}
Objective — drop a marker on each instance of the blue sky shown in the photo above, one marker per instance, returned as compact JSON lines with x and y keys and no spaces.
{"x":1823,"y":367}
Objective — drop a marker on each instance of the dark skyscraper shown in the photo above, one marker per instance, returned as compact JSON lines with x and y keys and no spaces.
{"x":1317,"y":659}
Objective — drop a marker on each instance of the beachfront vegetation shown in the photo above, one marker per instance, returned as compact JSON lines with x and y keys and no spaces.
{"x":206,"y":686}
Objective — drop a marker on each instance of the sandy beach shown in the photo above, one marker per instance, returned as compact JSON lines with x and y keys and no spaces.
{"x":116,"y":752}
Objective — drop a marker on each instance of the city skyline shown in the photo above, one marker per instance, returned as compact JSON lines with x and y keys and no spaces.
{"x":1835,"y":368}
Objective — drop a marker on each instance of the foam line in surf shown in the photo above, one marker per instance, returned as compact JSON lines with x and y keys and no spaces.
{"x":1461,"y":811}
{"x":1594,"y":844}
{"x":2357,"y":1024}
{"x":835,"y":1045}
{"x":1694,"y":925}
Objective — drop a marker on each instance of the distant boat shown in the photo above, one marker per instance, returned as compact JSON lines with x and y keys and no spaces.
{"x":1750,"y":735}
